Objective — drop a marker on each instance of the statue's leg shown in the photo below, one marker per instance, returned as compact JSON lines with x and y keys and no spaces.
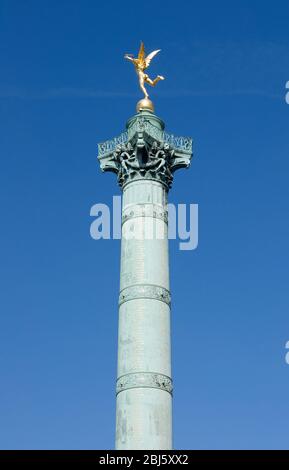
{"x":155,"y":81}
{"x":141,"y":84}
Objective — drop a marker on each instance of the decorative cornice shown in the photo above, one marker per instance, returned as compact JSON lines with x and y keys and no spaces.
{"x":144,"y":380}
{"x":105,"y":148}
{"x":142,"y":124}
{"x":145,"y":291}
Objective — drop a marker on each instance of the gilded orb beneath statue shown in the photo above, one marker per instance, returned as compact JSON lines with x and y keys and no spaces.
{"x":145,"y":105}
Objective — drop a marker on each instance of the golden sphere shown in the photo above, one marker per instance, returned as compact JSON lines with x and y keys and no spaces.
{"x":145,"y":104}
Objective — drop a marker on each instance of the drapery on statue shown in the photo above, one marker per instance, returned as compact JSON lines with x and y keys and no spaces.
{"x":141,"y":64}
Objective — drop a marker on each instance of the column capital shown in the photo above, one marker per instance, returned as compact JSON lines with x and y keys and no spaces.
{"x":145,"y":151}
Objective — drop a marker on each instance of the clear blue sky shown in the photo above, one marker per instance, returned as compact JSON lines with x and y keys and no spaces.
{"x":64,"y":86}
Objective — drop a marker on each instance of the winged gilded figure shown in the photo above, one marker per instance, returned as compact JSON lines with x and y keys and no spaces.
{"x":141,"y":63}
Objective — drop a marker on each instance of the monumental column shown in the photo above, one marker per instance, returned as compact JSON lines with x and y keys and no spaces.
{"x":144,"y":157}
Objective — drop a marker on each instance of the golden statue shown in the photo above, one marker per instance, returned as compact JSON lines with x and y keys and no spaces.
{"x":141,"y":64}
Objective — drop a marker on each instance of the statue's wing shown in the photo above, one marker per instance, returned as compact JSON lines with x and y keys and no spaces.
{"x":141,"y":53}
{"x":150,"y":57}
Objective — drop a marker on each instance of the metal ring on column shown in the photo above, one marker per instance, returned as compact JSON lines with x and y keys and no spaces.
{"x":145,"y":210}
{"x":144,"y":380}
{"x":145,"y":291}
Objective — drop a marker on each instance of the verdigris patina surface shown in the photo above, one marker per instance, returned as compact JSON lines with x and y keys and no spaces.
{"x":144,"y":158}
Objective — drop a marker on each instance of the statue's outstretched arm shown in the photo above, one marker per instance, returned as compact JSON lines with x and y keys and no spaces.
{"x":128,"y":57}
